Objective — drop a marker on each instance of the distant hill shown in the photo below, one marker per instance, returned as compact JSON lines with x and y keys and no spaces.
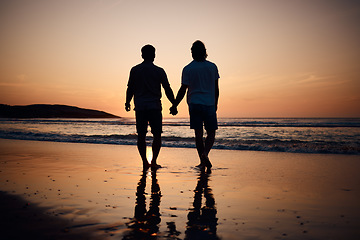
{"x":50,"y":111}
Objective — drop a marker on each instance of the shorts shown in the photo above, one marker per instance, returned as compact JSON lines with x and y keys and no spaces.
{"x":202,"y":115}
{"x":152,"y":117}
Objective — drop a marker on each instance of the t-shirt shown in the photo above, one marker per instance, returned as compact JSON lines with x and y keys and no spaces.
{"x":200,"y":77}
{"x":146,"y":80}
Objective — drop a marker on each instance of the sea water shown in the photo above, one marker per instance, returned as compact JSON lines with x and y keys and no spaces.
{"x":302,"y":135}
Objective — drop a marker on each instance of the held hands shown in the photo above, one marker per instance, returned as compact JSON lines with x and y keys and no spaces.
{"x":173,"y":110}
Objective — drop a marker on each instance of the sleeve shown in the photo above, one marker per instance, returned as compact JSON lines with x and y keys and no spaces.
{"x":216,"y":72}
{"x":185,"y":77}
{"x":131,"y":81}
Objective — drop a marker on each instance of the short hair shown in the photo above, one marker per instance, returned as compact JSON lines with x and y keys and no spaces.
{"x":198,"y":51}
{"x":148,"y":52}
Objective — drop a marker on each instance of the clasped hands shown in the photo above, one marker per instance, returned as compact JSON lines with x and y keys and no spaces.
{"x":173,"y":110}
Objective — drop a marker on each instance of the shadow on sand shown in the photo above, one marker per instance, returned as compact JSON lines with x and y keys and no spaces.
{"x":20,"y":219}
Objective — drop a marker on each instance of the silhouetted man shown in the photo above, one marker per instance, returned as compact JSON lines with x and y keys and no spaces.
{"x":201,"y":80}
{"x":144,"y":84}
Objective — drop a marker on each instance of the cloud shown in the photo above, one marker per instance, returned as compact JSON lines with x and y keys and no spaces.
{"x":19,"y":80}
{"x":312,"y":79}
{"x":22,"y":77}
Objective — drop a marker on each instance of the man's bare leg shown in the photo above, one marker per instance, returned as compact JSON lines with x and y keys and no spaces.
{"x":200,"y":147}
{"x":141,"y":145}
{"x":156,"y":146}
{"x":209,"y":142}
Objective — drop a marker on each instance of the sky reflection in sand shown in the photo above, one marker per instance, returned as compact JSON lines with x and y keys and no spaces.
{"x":248,"y":194}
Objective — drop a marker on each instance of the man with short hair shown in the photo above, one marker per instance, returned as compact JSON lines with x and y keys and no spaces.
{"x":201,"y":80}
{"x":144,"y":85}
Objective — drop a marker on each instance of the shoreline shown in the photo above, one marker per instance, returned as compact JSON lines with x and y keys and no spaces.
{"x":318,"y":136}
{"x":189,"y":144}
{"x":97,"y":189}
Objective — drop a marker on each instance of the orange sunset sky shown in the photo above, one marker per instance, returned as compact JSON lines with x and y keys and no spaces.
{"x":280,"y":58}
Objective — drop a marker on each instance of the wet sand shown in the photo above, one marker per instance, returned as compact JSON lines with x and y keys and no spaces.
{"x":86,"y":191}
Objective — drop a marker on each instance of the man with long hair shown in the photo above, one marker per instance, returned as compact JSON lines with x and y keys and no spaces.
{"x":200,"y":78}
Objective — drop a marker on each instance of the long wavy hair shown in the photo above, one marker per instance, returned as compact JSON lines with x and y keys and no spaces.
{"x":198,"y":51}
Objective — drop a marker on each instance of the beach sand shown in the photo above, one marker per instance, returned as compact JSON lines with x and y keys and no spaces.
{"x":87,"y":191}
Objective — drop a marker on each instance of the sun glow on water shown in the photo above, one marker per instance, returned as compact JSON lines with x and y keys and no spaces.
{"x":149,"y":154}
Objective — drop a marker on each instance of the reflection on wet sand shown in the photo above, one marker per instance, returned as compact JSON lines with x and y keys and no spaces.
{"x":145,"y":224}
{"x":202,"y":221}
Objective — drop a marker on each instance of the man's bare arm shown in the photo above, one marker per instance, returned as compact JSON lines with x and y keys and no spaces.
{"x":129,"y":96}
{"x":180,"y":95}
{"x":169,"y":94}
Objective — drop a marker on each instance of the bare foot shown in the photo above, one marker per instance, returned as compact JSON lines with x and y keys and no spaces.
{"x":200,"y":166}
{"x":155,"y":166}
{"x":206,"y":161}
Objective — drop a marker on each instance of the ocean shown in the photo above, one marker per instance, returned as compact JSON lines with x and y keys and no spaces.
{"x":299,"y":135}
